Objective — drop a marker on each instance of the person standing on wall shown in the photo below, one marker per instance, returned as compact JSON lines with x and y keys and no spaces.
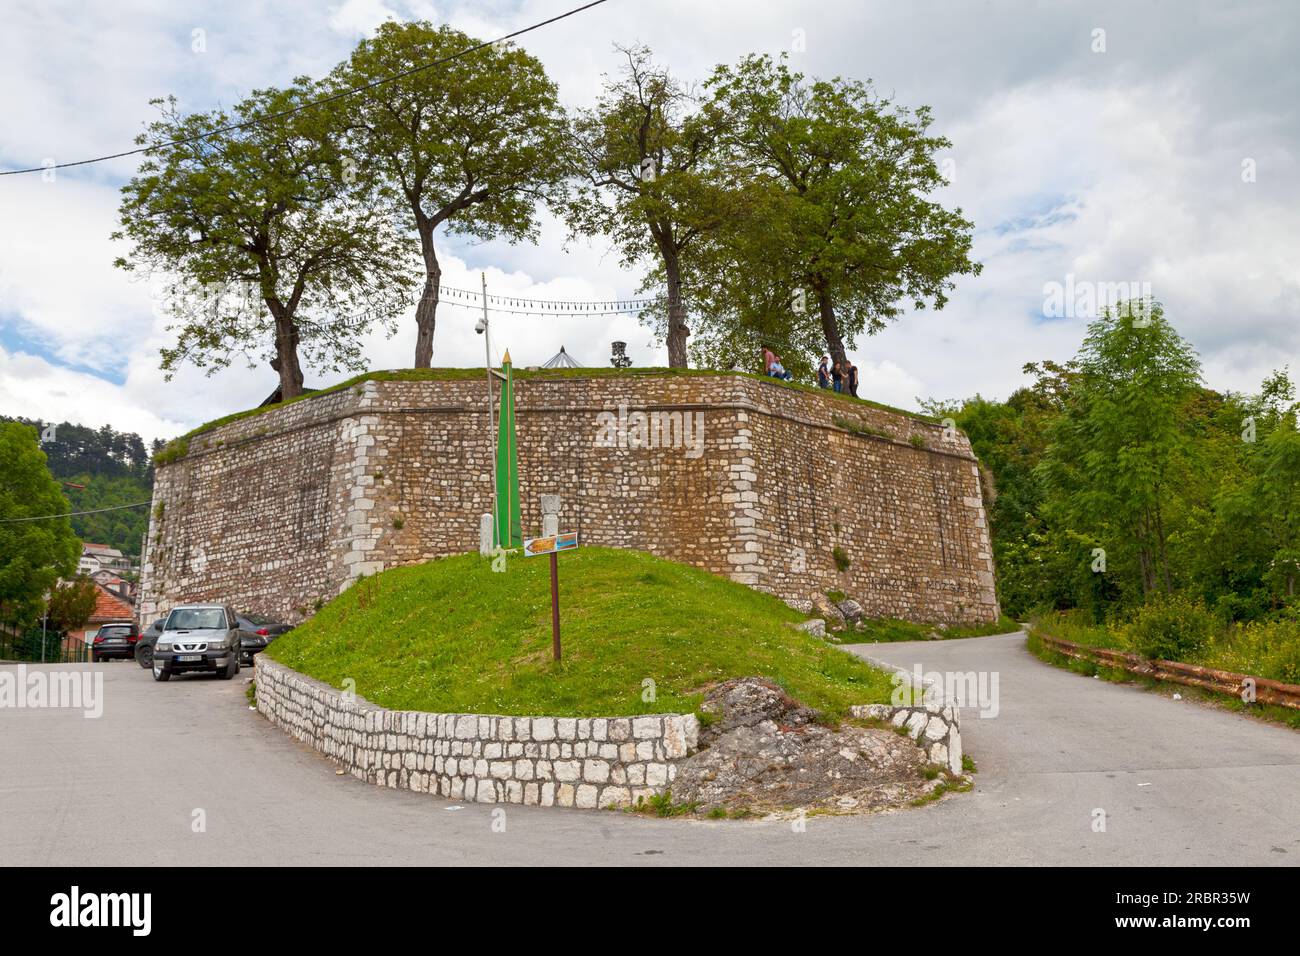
{"x":853,"y":380}
{"x":823,"y":373}
{"x":837,"y":375}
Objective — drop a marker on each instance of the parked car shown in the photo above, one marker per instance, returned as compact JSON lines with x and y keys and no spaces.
{"x":148,"y":638}
{"x":198,"y":639}
{"x":256,"y":632}
{"x":113,"y":640}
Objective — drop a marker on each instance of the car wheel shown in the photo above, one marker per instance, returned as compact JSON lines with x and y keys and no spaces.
{"x":232,"y":668}
{"x":160,"y":673}
{"x":144,"y":656}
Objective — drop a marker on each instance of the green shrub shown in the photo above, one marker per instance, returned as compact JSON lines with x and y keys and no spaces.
{"x":1170,"y":628}
{"x":842,"y":561}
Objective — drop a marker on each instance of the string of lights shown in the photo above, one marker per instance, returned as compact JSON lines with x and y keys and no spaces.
{"x":518,"y":305}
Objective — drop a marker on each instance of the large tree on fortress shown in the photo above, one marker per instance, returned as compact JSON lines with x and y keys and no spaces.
{"x":643,"y":153}
{"x":839,"y":234}
{"x":468,"y":145}
{"x":266,"y":236}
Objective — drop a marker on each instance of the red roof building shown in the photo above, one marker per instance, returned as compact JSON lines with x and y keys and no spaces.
{"x":109,"y":609}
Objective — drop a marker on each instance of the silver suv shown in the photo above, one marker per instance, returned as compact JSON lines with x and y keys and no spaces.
{"x":198,"y":639}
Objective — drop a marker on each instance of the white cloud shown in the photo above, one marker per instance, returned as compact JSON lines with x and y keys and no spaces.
{"x":361,"y":17}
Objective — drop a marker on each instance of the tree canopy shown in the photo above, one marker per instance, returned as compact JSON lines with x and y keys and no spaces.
{"x":33,"y":554}
{"x":644,"y":153}
{"x":838,"y":235}
{"x":269,"y":240}
{"x":471,"y":146}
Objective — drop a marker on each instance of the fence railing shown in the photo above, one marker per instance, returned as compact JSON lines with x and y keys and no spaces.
{"x":1266,"y":691}
{"x":49,"y":647}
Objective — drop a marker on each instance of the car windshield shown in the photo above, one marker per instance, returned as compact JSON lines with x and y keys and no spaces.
{"x":196,"y":619}
{"x":118,"y":629}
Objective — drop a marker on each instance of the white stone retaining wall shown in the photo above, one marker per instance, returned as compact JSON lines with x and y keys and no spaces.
{"x":933,"y":722}
{"x":540,"y":761}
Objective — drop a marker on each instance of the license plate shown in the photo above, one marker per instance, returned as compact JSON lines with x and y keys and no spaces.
{"x":189,"y":658}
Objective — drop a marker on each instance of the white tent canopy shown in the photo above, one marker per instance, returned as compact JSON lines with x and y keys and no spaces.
{"x":562,"y":359}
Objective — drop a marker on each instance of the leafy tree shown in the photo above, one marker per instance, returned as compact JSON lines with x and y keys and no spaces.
{"x":838,"y":231}
{"x":469,"y":145}
{"x":100,"y":469}
{"x":33,"y":554}
{"x":644,"y":151}
{"x":271,"y":241}
{"x":1119,"y":452}
{"x":71,"y":604}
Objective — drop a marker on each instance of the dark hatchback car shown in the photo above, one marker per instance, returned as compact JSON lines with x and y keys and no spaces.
{"x":114,"y":640}
{"x":144,"y":646}
{"x":198,"y":639}
{"x":256,"y":632}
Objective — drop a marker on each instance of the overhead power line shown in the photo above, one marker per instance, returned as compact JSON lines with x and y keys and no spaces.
{"x":306,"y":106}
{"x":74,"y":514}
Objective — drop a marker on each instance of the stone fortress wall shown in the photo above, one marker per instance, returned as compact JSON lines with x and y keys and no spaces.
{"x":279,"y":512}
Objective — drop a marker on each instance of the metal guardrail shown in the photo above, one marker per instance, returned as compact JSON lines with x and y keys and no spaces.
{"x":1207,"y":678}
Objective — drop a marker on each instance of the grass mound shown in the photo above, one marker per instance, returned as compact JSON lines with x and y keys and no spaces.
{"x":454,"y":636}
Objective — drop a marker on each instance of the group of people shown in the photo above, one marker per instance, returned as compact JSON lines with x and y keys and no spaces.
{"x":841,"y":376}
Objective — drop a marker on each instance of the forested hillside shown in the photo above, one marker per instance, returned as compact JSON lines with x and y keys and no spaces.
{"x":112,"y":468}
{"x":1134,"y":507}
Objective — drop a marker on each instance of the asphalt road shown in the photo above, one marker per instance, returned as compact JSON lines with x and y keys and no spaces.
{"x":1179,"y":783}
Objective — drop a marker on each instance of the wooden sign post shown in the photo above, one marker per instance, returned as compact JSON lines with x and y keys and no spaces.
{"x":553,"y":545}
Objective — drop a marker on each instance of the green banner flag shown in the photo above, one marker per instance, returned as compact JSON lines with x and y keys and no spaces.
{"x":508,"y":526}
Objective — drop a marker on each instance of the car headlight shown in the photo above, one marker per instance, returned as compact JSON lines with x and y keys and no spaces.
{"x":163,"y":646}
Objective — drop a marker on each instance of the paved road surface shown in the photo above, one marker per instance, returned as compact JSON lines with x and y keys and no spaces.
{"x":1180,"y":784}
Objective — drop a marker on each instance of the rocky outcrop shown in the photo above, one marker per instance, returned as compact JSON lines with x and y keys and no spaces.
{"x":764,"y":752}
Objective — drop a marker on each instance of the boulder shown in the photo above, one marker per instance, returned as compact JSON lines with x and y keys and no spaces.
{"x":851,"y":610}
{"x":815,"y":626}
{"x":824,"y":607}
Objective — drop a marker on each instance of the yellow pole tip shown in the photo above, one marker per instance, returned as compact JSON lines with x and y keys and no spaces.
{"x":506,"y":359}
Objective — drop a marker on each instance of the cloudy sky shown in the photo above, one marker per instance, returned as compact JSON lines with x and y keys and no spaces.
{"x":1139,"y":142}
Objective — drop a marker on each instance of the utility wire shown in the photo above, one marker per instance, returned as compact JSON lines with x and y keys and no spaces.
{"x":73,"y":514}
{"x":305,"y":106}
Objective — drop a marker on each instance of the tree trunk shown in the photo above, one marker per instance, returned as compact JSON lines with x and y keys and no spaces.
{"x":831,"y":327}
{"x":427,"y":310}
{"x":1164,"y":554}
{"x":286,"y":353}
{"x":677,"y":330}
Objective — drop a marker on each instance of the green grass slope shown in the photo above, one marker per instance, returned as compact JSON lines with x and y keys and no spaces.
{"x":454,"y":636}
